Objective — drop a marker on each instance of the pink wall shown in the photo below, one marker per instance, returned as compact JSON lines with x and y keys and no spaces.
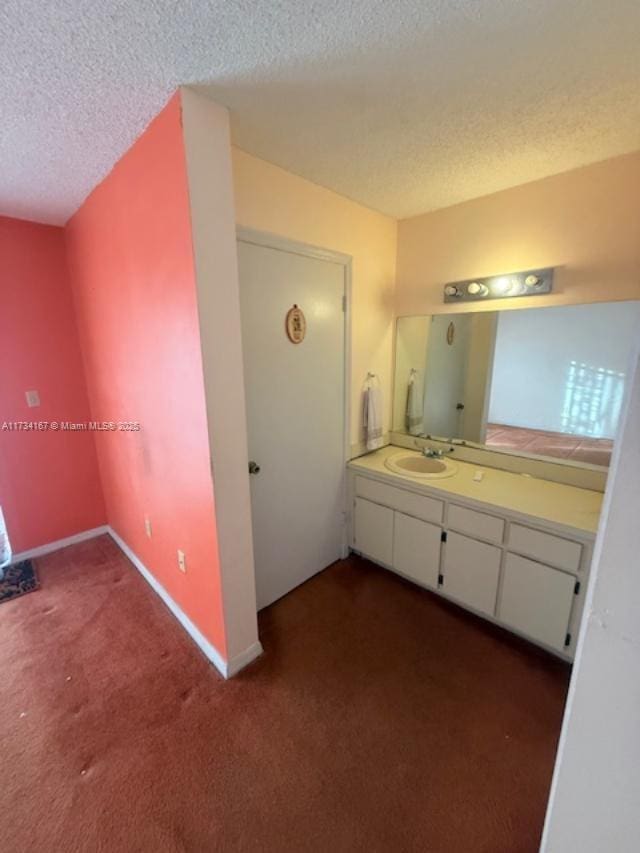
{"x":49,"y":483}
{"x":131,"y":259}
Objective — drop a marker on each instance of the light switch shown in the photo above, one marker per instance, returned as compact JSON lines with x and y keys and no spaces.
{"x":182,"y":561}
{"x":33,"y":398}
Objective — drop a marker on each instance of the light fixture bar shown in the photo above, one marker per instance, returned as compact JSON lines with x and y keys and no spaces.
{"x":508,"y":286}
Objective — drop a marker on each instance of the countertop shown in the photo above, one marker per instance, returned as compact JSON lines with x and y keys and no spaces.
{"x":567,"y":506}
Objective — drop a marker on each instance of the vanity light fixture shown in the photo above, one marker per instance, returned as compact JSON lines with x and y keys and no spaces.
{"x":477,"y":289}
{"x":527,"y":283}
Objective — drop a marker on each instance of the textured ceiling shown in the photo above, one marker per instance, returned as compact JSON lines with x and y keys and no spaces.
{"x":405,"y":106}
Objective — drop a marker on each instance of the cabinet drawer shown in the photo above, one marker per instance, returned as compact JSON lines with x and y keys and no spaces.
{"x":420,"y":506}
{"x":536,"y":600}
{"x":373,"y":531}
{"x":562,"y":553}
{"x":416,"y":549}
{"x":475,"y":523}
{"x":470,"y":572}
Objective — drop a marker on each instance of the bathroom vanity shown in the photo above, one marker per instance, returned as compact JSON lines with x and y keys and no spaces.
{"x":511,"y":548}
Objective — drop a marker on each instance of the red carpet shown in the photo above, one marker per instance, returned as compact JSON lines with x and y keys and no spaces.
{"x":379,"y":719}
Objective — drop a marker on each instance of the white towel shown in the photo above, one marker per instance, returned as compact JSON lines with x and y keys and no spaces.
{"x":373,"y":417}
{"x":414,"y":417}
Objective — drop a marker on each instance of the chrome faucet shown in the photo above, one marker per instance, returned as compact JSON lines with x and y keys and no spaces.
{"x":431,"y":453}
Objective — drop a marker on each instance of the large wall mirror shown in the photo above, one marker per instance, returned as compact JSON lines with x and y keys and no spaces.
{"x":546,"y":382}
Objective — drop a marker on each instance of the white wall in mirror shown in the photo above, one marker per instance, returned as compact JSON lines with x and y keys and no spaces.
{"x":576,"y":360}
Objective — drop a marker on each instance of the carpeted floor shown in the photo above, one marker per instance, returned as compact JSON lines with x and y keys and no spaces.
{"x":379,"y":719}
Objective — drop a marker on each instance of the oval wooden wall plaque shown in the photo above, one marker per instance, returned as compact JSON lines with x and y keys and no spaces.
{"x":296,"y":325}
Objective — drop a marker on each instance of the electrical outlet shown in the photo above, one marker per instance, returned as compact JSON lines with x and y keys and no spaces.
{"x":147,"y":526}
{"x":182,"y":561}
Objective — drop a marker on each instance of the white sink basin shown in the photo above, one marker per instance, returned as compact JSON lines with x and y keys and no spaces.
{"x":422,"y":467}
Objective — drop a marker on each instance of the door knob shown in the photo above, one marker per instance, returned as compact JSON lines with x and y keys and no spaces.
{"x":254,"y":468}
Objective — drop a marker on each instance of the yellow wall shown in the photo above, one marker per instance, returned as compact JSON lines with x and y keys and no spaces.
{"x":585,"y":222}
{"x":270,"y":199}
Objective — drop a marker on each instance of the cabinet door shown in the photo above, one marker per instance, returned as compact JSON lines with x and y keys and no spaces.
{"x":373,"y":531}
{"x":416,"y":549}
{"x":470,"y":572}
{"x":536,"y":600}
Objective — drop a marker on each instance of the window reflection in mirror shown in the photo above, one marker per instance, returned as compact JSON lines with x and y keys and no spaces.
{"x":539,"y":381}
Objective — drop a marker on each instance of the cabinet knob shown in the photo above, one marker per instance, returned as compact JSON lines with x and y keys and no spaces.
{"x":254,"y":468}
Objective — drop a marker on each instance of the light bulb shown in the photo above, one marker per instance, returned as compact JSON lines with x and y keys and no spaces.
{"x":502,"y":286}
{"x":477,"y":289}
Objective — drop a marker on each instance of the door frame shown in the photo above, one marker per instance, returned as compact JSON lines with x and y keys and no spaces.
{"x":275,"y":241}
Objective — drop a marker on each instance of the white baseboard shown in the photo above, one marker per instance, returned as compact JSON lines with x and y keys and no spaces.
{"x":41,"y":550}
{"x":243,"y":659}
{"x":226,"y":668}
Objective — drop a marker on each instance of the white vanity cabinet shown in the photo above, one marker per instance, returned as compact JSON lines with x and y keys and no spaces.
{"x":373,"y":531}
{"x":399,"y":541}
{"x":470,"y":572}
{"x":416,"y":549}
{"x":516,"y":571}
{"x":537,"y":600}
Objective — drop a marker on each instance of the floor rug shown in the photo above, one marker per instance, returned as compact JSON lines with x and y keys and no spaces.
{"x":18,"y":579}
